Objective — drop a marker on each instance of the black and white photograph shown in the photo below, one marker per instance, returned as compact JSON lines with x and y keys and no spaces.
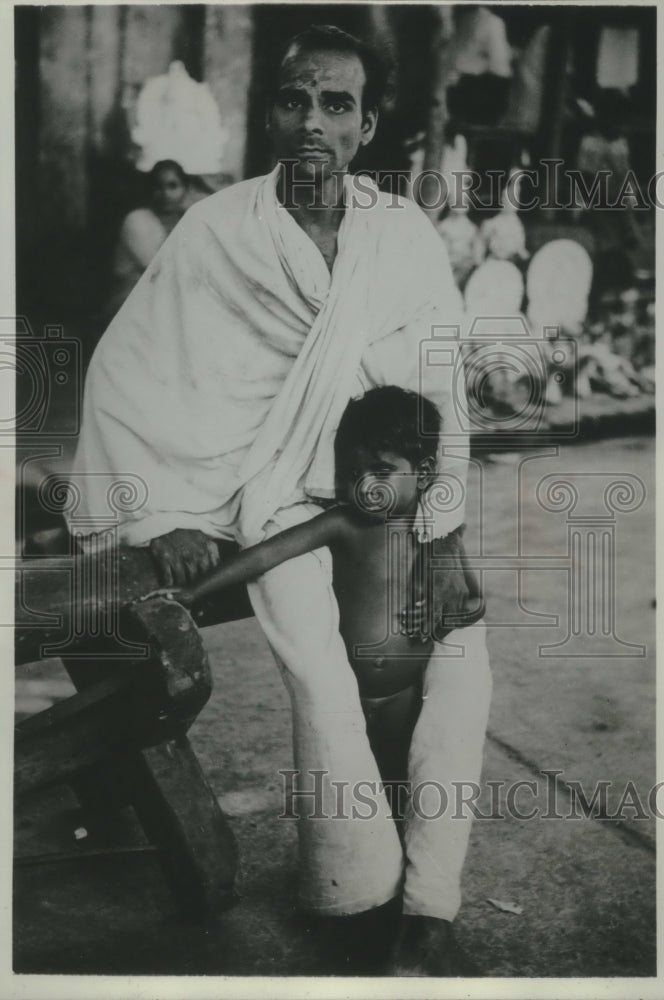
{"x":301,"y":292}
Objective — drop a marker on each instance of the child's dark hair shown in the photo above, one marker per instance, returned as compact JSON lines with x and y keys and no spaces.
{"x":389,"y":418}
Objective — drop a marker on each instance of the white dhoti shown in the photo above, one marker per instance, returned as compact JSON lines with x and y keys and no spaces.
{"x":445,"y":753}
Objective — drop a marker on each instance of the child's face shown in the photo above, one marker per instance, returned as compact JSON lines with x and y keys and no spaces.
{"x":381,"y":484}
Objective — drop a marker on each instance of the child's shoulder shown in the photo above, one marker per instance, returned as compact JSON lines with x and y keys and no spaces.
{"x":342,"y":520}
{"x":339,"y":515}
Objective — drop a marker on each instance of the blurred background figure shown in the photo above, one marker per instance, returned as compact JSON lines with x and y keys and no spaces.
{"x":145,"y":229}
{"x":483,"y":66}
{"x":177,"y":143}
{"x":503,"y":236}
{"x":616,"y":231}
{"x":456,"y":229}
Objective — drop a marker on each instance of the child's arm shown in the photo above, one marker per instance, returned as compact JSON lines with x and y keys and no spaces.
{"x":258,"y":559}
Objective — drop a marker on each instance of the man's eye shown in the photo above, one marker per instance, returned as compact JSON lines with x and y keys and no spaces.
{"x":290,"y":103}
{"x":337,"y":107}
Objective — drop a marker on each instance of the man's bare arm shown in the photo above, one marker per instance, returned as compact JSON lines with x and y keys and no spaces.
{"x":252,"y":562}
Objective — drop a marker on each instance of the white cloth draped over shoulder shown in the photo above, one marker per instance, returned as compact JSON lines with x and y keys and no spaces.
{"x":222,"y":379}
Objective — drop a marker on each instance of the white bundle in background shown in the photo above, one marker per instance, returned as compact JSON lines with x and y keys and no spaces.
{"x":178,"y":119}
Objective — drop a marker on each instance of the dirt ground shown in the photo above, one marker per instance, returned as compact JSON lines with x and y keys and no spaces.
{"x":584,"y":887}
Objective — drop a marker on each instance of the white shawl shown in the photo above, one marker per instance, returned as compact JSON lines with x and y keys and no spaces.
{"x":223,"y":377}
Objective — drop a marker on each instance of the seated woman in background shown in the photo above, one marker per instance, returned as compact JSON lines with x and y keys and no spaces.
{"x":145,"y":229}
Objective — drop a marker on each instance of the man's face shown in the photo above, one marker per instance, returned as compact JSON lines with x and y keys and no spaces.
{"x":317,"y":117}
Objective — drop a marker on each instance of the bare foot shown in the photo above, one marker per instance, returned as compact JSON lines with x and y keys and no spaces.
{"x":426,"y":947}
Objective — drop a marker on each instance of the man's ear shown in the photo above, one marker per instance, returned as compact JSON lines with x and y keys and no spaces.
{"x":369,"y":123}
{"x":426,"y":469}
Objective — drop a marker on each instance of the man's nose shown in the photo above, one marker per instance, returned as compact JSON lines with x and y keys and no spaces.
{"x":313,"y":120}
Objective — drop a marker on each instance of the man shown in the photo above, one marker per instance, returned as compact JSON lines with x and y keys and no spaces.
{"x":221,"y":382}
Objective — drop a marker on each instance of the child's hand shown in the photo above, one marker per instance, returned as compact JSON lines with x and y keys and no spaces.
{"x":180,"y":594}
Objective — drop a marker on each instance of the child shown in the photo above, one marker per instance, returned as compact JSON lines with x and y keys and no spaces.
{"x":385,"y":456}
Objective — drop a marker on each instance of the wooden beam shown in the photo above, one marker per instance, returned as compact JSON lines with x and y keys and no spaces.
{"x":180,"y":813}
{"x":123,"y":735}
{"x":163,"y":780}
{"x":137,"y":704}
{"x":53,"y":746}
{"x":70,"y":606}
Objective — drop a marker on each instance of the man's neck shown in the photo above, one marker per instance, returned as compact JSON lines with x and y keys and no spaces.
{"x":315,"y":203}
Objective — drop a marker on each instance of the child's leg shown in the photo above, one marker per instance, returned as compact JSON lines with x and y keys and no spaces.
{"x":390,"y":725}
{"x":446,"y":749}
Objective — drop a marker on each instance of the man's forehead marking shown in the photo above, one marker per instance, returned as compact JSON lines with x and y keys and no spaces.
{"x":316,"y":68}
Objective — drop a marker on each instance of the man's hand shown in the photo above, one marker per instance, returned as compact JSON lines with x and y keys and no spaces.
{"x":415,"y":621}
{"x":184,"y":555}
{"x":450,"y":598}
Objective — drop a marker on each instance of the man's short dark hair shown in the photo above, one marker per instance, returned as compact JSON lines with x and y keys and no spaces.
{"x":329,"y":38}
{"x":389,"y":418}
